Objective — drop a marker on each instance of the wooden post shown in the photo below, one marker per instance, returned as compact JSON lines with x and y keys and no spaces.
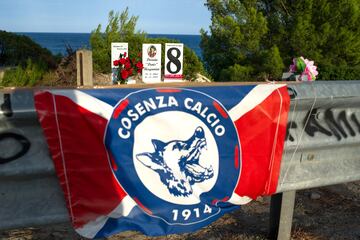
{"x":84,"y":65}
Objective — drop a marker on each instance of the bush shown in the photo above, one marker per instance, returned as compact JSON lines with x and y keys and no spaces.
{"x":338,"y":72}
{"x":265,"y":35}
{"x":192,"y":63}
{"x":16,"y":49}
{"x":121,"y":28}
{"x":20,"y":76}
{"x":236,"y":73}
{"x":272,"y":64}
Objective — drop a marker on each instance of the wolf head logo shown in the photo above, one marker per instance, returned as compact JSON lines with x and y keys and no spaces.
{"x":177,"y":163}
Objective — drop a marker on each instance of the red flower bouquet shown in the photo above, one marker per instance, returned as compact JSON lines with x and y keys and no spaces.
{"x":127,"y":68}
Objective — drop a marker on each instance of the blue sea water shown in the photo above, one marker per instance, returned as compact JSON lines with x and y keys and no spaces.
{"x":56,"y":42}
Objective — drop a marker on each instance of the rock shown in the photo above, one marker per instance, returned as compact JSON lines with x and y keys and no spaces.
{"x":201,"y":78}
{"x":102,"y":79}
{"x":315,"y":196}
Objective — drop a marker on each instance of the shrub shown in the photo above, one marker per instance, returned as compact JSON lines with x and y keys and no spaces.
{"x":191,"y":63}
{"x":264,"y":35}
{"x":236,"y":73}
{"x":16,"y":49}
{"x":20,"y":76}
{"x":339,"y":72}
{"x":121,"y":28}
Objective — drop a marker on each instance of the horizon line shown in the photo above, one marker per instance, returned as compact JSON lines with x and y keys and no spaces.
{"x":191,"y":34}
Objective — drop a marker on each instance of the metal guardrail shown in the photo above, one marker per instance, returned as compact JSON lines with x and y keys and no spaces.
{"x":323,"y":141}
{"x":30,"y":193}
{"x":322,"y":148}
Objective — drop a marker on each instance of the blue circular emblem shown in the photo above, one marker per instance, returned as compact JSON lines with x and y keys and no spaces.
{"x":176,"y":153}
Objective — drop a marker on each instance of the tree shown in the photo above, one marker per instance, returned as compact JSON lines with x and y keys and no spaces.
{"x":16,"y":50}
{"x":122,"y":28}
{"x":234,"y":43}
{"x":258,"y":37}
{"x":29,"y":62}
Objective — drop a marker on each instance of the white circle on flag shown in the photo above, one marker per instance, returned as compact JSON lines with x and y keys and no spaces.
{"x":179,"y":130}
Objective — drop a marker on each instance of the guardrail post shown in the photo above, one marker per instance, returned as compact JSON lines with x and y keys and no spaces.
{"x":84,"y":65}
{"x":5,"y":106}
{"x":281,"y":214}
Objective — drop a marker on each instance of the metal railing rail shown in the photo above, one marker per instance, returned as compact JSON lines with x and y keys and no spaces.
{"x":322,"y":148}
{"x":323,"y":141}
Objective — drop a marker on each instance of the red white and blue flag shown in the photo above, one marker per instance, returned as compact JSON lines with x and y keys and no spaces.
{"x":163,"y":160}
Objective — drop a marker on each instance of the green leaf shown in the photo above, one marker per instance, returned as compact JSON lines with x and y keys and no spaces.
{"x":300,"y":65}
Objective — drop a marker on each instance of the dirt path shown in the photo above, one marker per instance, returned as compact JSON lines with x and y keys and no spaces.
{"x":323,"y":213}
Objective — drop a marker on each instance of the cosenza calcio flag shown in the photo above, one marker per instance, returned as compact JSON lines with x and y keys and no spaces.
{"x":163,"y":160}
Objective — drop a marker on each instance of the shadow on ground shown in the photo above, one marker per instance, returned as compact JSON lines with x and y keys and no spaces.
{"x":324,"y":213}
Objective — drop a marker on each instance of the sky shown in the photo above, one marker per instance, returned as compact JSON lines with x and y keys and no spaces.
{"x":155,"y":16}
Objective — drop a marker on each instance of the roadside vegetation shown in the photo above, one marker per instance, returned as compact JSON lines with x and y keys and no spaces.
{"x":255,"y":40}
{"x":122,"y":28}
{"x":27,"y":62}
{"x":248,"y":40}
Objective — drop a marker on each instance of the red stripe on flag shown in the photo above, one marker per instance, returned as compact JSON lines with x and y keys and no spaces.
{"x":236,"y":159}
{"x":75,"y":139}
{"x":113,"y":163}
{"x":220,"y":110}
{"x":148,"y":211}
{"x":215,"y":201}
{"x":168,"y":90}
{"x":121,"y":108}
{"x":262,"y":135}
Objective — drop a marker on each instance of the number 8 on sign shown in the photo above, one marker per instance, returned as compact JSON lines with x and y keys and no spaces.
{"x":173,"y":62}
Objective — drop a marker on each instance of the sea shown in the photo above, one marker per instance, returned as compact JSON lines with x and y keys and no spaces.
{"x":57,"y":42}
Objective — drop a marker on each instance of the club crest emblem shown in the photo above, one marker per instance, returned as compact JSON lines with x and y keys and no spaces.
{"x":182,"y":169}
{"x":177,"y":163}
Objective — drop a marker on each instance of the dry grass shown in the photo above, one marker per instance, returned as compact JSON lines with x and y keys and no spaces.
{"x":335,"y":216}
{"x":300,"y":234}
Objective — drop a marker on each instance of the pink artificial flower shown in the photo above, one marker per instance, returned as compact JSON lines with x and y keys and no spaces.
{"x":293,"y":66}
{"x":310,"y":70}
{"x":308,"y":74}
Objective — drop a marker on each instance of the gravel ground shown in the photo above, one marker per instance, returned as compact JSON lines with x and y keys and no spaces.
{"x":324,"y":213}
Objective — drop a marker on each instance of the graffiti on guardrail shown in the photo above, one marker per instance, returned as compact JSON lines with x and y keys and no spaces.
{"x":292,"y":93}
{"x":337,"y":124}
{"x":290,"y":125}
{"x":20,"y":144}
{"x":16,"y":141}
{"x":5,"y":107}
